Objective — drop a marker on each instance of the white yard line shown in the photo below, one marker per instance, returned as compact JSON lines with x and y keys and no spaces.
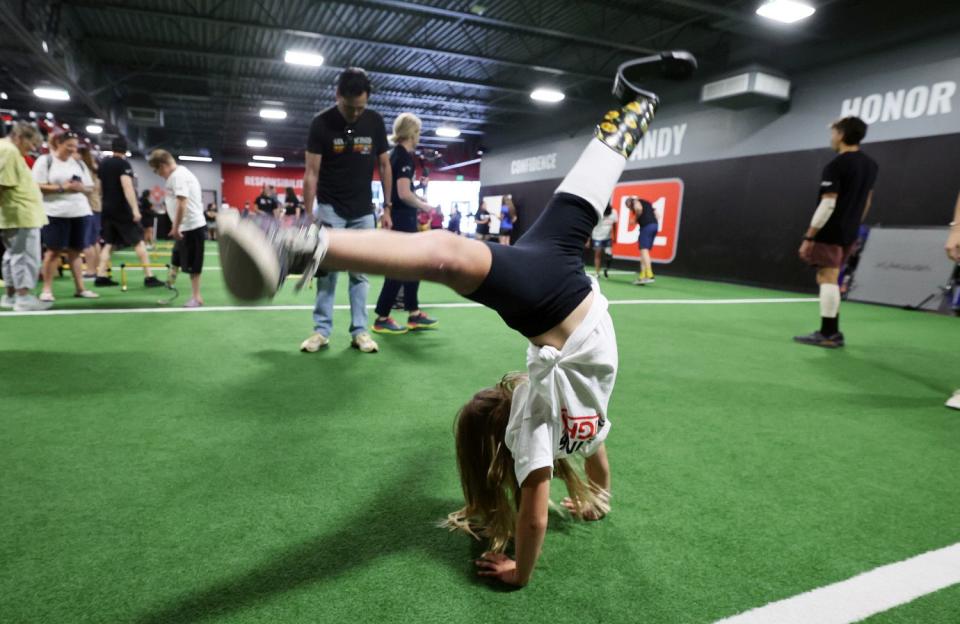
{"x":286,"y":308}
{"x":863,"y":595}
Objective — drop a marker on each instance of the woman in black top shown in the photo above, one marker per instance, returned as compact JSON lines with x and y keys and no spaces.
{"x":403,"y":216}
{"x":291,"y":205}
{"x":483,"y":223}
{"x":147,"y":218}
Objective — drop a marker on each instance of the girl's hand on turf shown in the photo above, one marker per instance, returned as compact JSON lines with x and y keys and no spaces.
{"x":500,"y":566}
{"x":588,"y":512}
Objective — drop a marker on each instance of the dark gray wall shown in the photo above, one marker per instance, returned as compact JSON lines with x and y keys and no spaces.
{"x":907,"y":93}
{"x":751,"y":176}
{"x":743,"y":219}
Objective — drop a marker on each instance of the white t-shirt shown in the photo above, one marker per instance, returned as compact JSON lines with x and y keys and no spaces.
{"x":562,"y":409}
{"x":603,"y":229}
{"x":182,"y":183}
{"x":48,"y":169}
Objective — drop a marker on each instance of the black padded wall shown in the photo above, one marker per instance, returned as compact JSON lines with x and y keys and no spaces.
{"x":743,"y":219}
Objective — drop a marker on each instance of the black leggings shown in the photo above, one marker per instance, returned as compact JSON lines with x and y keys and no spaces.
{"x":403,"y":221}
{"x":535,"y":284}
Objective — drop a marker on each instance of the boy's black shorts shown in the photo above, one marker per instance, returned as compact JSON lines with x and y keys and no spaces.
{"x":188,"y":253}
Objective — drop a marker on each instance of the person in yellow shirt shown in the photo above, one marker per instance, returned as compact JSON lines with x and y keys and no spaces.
{"x":21,"y":217}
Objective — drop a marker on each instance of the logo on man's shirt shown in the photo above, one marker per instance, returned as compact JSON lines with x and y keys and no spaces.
{"x":578,"y":430}
{"x":358,"y":145}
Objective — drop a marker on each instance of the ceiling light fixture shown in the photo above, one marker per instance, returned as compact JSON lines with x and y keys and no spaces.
{"x":92,"y":129}
{"x":263,"y":165}
{"x":785,"y":11}
{"x":268,"y":158}
{"x":195,"y":158}
{"x":447,"y":131}
{"x":273,"y":113}
{"x":298,"y":57}
{"x":52,"y":93}
{"x":257,"y":143}
{"x":547,"y":95}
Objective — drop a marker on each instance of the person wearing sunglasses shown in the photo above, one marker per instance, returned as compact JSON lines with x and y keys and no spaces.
{"x":346,"y":142}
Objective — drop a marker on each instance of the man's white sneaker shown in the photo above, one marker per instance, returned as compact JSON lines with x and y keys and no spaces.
{"x":954,"y":401}
{"x":364,"y":343}
{"x":29,"y":303}
{"x":314,"y":343}
{"x":6,"y":301}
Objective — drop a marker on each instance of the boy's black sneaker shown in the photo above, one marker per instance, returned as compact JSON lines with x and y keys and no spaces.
{"x":817,"y":339}
{"x":152,"y":282}
{"x":104,"y":281}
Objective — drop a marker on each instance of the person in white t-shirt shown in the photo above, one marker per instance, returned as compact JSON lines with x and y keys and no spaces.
{"x":184,"y":204}
{"x":602,"y":240}
{"x":65,"y":183}
{"x":509,"y":438}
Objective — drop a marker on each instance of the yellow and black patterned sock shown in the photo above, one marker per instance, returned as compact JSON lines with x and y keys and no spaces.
{"x":621,"y":130}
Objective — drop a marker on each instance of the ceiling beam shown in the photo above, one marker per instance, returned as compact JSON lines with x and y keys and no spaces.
{"x":461,"y":16}
{"x":45,"y":60}
{"x":247,"y":107}
{"x":327,"y":93}
{"x":395,"y":46}
{"x":172,"y":49}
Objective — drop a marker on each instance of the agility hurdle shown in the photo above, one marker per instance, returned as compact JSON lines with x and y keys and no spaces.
{"x":123,"y":271}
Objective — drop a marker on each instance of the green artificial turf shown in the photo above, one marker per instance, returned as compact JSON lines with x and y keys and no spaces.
{"x":191,"y":467}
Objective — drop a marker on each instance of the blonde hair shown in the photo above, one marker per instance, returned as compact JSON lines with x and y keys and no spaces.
{"x":159,"y":157}
{"x":405,"y":126}
{"x":490,"y":489}
{"x":26,"y":132}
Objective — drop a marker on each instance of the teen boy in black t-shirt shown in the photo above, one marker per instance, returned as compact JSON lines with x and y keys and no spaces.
{"x":121,"y":215}
{"x":345,"y":143}
{"x":846,"y":191}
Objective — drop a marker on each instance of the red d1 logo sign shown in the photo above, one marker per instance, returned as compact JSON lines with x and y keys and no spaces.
{"x":667,"y":199}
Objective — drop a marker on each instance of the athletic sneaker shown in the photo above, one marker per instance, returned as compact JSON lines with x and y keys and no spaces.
{"x":817,"y":339}
{"x":422,"y":321}
{"x":651,"y":279}
{"x":314,"y":343}
{"x":640,"y":281}
{"x":954,"y":401}
{"x":388,"y":326}
{"x":606,"y":273}
{"x":364,"y":343}
{"x":47,"y":296}
{"x":104,"y":281}
{"x":153,"y":282}
{"x":6,"y":301}
{"x":193,"y":303}
{"x":29,"y":303}
{"x":86,"y":294}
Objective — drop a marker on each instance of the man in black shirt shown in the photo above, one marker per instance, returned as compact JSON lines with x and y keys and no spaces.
{"x":846,"y":192}
{"x":345,"y":143}
{"x":649,"y":225}
{"x":121,"y":215}
{"x":267,"y":201}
